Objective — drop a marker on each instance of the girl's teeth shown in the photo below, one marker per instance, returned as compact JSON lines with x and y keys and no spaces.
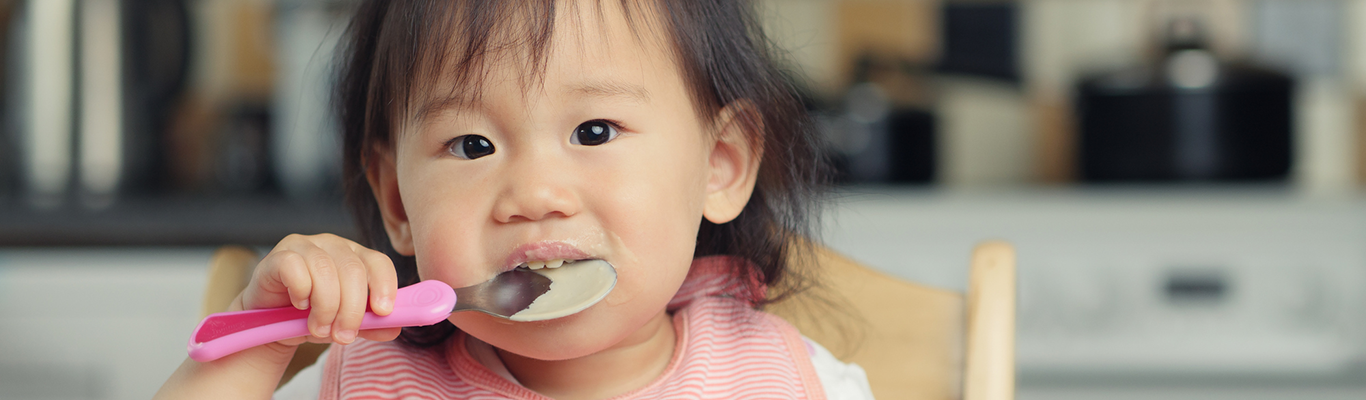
{"x":547,"y":264}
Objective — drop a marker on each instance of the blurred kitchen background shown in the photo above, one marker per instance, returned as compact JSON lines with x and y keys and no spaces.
{"x":1182,"y":179}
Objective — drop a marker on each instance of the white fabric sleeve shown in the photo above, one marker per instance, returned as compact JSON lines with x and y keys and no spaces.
{"x":306,"y":385}
{"x":841,"y":381}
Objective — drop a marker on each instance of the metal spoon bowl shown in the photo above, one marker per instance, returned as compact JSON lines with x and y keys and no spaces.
{"x":561,"y":291}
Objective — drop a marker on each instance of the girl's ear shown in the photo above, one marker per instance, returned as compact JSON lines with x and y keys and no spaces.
{"x":734,"y":161}
{"x":383,"y":176}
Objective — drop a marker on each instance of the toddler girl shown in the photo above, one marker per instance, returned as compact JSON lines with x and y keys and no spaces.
{"x":481,"y":136}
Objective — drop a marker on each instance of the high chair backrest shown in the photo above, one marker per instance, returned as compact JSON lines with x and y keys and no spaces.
{"x":915,"y":342}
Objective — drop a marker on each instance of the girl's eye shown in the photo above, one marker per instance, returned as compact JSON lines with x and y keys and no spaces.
{"x":470,"y":147}
{"x":593,"y":133}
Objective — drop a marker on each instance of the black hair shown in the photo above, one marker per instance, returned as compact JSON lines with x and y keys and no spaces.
{"x":392,"y":46}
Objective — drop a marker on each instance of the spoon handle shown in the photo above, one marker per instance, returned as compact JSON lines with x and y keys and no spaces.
{"x":221,"y":334}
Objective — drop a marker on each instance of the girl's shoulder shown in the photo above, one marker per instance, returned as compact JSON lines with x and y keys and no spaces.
{"x":766,"y":346}
{"x":724,"y":336}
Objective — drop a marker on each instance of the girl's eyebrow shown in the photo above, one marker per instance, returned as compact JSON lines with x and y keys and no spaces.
{"x":631,"y":92}
{"x":440,"y":104}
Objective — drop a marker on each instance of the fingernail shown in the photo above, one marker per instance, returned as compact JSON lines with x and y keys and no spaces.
{"x":303,"y":304}
{"x":345,"y":337}
{"x":383,"y":303}
{"x":324,"y":330}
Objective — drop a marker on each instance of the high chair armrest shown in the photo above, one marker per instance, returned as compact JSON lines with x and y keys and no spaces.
{"x":990,"y":358}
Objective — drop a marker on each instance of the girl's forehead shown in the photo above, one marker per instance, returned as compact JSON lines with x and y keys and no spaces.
{"x":591,"y":49}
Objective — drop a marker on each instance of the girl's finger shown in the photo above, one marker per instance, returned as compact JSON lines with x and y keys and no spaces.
{"x":381,"y":335}
{"x":293,"y":273}
{"x":268,"y":288}
{"x":353,"y":277}
{"x":325,"y":296}
{"x":293,"y":341}
{"x":315,"y":339}
{"x":383,"y":281}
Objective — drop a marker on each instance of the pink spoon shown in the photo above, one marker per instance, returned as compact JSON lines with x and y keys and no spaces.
{"x":221,"y":334}
{"x":423,"y":303}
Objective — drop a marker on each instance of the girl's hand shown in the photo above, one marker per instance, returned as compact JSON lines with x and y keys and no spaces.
{"x":334,"y":276}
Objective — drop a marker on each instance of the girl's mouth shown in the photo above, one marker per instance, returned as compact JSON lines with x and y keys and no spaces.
{"x":545,"y":254}
{"x":556,"y":263}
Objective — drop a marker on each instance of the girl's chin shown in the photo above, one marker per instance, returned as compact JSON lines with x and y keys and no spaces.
{"x":550,"y":351}
{"x":558,"y":339}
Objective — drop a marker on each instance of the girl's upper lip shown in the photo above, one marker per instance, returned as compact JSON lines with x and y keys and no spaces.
{"x":544,"y":250}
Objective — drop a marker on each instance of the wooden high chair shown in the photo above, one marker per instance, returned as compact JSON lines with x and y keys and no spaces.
{"x":915,"y":342}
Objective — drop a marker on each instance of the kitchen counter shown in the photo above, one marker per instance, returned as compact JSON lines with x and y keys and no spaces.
{"x":191,"y":221}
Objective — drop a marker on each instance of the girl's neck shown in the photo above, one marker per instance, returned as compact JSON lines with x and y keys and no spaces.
{"x":632,"y":364}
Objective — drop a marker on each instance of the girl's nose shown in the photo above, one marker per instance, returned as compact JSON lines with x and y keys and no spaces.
{"x":536,"y":190}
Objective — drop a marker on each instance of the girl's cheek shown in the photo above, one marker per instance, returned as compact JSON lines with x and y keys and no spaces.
{"x":653,"y":265}
{"x":446,"y":254}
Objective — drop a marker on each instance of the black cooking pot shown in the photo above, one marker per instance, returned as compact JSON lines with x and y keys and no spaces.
{"x":1188,"y":117}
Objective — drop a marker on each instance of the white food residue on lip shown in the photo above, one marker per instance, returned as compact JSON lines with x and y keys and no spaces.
{"x":573,"y":287}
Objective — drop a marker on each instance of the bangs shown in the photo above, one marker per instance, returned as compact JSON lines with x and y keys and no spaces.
{"x":434,"y":55}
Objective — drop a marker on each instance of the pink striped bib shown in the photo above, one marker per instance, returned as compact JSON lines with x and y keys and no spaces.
{"x":725,"y":350}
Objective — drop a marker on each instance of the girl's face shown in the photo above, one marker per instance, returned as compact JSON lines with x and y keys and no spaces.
{"x":605,"y":158}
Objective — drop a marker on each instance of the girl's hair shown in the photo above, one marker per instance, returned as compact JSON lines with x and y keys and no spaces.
{"x":392,"y":46}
